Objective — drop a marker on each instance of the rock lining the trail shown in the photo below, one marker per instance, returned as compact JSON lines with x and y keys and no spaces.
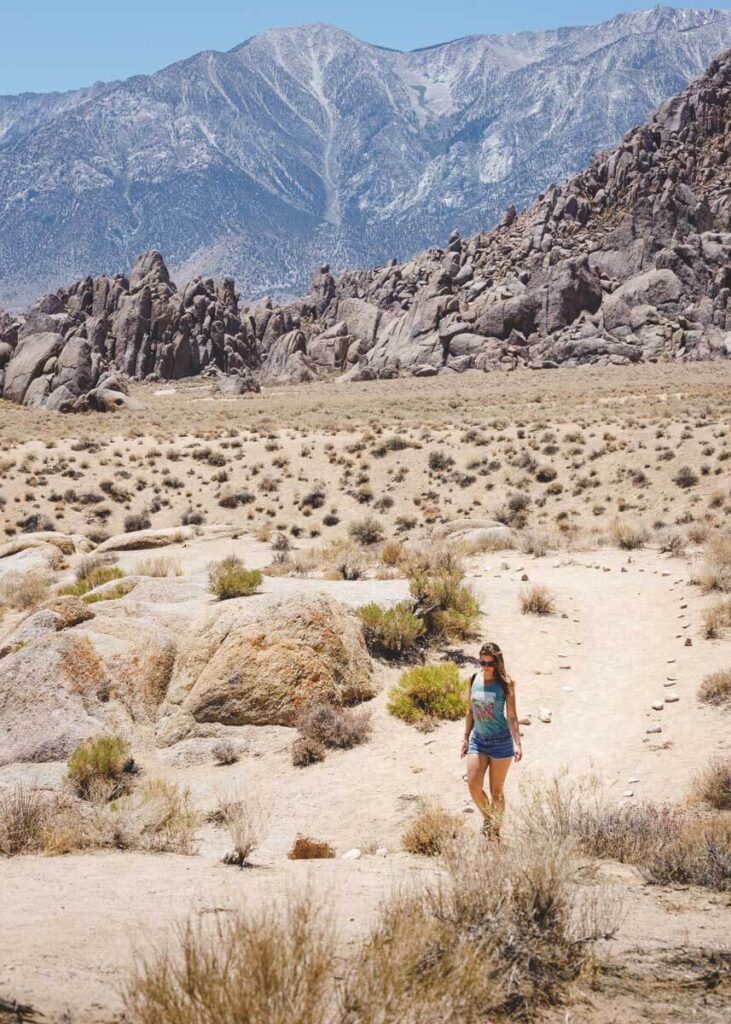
{"x":627,"y":261}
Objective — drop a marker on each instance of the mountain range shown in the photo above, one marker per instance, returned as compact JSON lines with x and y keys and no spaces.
{"x":306,"y":145}
{"x":627,"y":261}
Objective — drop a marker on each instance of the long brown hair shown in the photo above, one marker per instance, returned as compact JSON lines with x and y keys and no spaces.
{"x":508,"y":683}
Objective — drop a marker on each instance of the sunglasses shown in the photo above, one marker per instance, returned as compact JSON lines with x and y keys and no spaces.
{"x":487,"y":661}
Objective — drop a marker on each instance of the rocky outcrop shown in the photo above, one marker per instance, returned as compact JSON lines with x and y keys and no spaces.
{"x":626,"y":262}
{"x":261,"y":659}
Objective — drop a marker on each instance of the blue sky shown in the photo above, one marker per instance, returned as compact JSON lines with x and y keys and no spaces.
{"x":62,"y":44}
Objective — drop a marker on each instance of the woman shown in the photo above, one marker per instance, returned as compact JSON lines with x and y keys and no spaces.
{"x":491,"y":737}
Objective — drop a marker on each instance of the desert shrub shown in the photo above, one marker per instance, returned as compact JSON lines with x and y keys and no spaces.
{"x":156,"y":818}
{"x":537,"y":543}
{"x":159,"y":818}
{"x":394,"y":443}
{"x":628,"y":536}
{"x":246,"y":819}
{"x":667,"y":843}
{"x":23,"y":814}
{"x":447,"y":608}
{"x":159,"y":566}
{"x":348,"y":563}
{"x":716,"y":687}
{"x":502,"y":930}
{"x":545,"y":474}
{"x":699,"y":854}
{"x":307,"y":751}
{"x":391,"y":632}
{"x":713,"y":785}
{"x":432,"y":829}
{"x":92,"y":571}
{"x":224,"y":752}
{"x":191,"y":517}
{"x":229,"y":578}
{"x":514,"y":511}
{"x":391,"y":553}
{"x":314,"y":498}
{"x":304,"y":848}
{"x":717,"y":619}
{"x":333,"y":727}
{"x":671,"y":543}
{"x":103,"y":759}
{"x":439,"y":460}
{"x":434,"y":690}
{"x":137,"y":521}
{"x":685,"y":477}
{"x":537,"y":600}
{"x":716,"y":571}
{"x":111,"y":594}
{"x":24,"y":590}
{"x":271,"y":965}
{"x":366,"y":531}
{"x":232,"y":499}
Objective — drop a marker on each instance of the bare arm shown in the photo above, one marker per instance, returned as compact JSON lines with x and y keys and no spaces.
{"x":513,"y":724}
{"x":468,"y":720}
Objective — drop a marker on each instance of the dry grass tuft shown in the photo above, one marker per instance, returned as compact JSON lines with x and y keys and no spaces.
{"x":225,"y":753}
{"x":716,"y":687}
{"x":22,"y":817}
{"x":716,"y":571}
{"x":306,"y":751}
{"x":717,"y":619}
{"x":273,"y":966}
{"x":432,"y":829}
{"x":24,"y":590}
{"x":537,"y":600}
{"x":628,"y":536}
{"x":159,"y":565}
{"x":713,"y":785}
{"x":246,"y":820}
{"x":158,"y":817}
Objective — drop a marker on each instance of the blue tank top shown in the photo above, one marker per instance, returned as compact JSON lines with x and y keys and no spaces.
{"x":488,"y":707}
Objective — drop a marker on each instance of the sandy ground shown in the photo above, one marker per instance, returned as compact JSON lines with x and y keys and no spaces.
{"x":68,"y":925}
{"x":612,"y":440}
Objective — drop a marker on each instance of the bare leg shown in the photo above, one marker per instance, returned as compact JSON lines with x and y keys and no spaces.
{"x":498,"y":773}
{"x":476,"y":769}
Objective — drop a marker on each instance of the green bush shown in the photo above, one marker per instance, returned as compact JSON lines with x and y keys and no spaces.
{"x":448,"y":609}
{"x":434,"y":690}
{"x":90,"y":573}
{"x":113,"y":594}
{"x":391,"y":632}
{"x":102,"y":762}
{"x":229,"y":578}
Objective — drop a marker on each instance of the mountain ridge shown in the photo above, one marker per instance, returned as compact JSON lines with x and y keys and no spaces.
{"x":627,"y":261}
{"x":306,"y":145}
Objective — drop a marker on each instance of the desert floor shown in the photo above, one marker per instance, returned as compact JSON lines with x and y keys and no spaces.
{"x":616,"y":439}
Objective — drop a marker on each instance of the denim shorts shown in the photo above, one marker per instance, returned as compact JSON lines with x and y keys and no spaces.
{"x":497,"y":746}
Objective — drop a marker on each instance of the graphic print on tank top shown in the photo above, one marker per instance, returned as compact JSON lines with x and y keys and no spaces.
{"x":488,"y":708}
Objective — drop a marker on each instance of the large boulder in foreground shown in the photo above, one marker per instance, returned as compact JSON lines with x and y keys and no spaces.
{"x":260,"y":659}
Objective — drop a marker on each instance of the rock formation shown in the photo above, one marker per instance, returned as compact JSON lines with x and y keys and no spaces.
{"x":627,"y":261}
{"x":304,"y":145}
